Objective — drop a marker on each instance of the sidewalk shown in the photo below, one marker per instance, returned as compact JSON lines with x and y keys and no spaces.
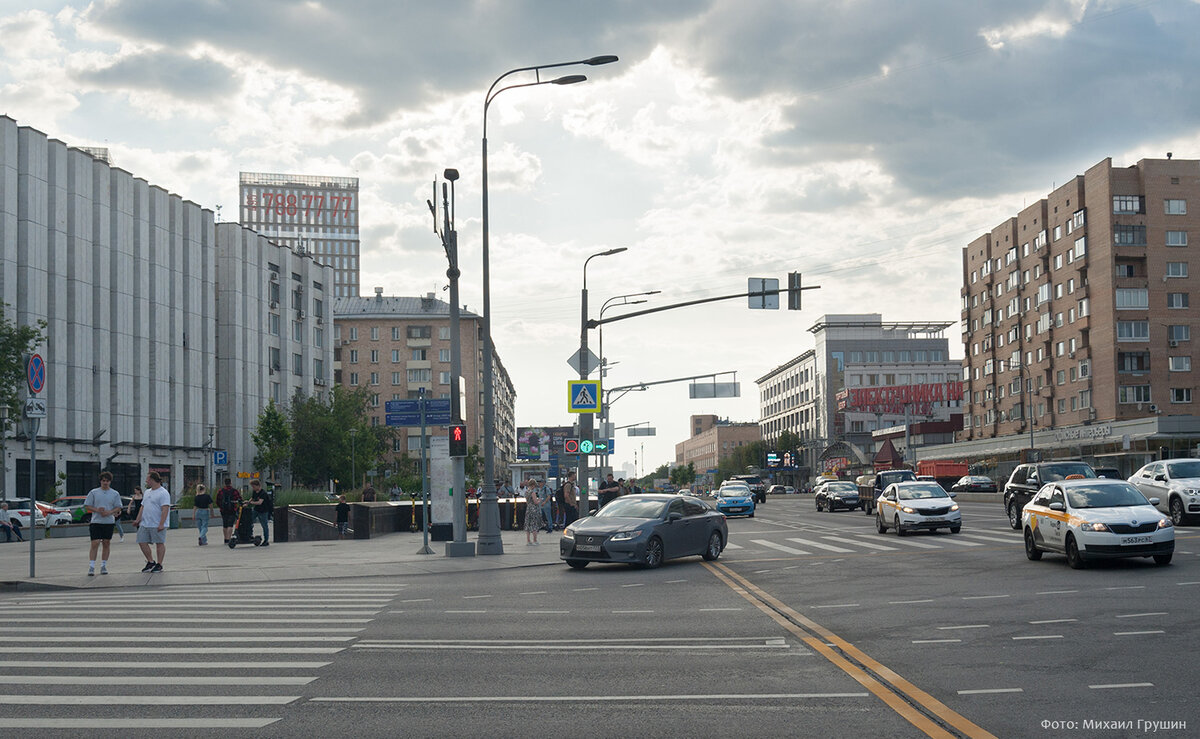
{"x":61,"y":564}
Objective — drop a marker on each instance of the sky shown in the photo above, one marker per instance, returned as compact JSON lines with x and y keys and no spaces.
{"x":861,"y":143}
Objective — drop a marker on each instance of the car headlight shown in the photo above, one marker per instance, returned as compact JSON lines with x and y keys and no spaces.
{"x":1165,"y":523}
{"x":568,"y":533}
{"x":1094,"y":527}
{"x":625,"y":535}
{"x":954,"y":507}
{"x":907,"y":509}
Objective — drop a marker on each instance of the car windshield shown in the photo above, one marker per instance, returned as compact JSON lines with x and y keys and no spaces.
{"x":733,"y":492}
{"x":841,"y":487}
{"x":1056,"y":472}
{"x":1178,"y":470}
{"x":1105,"y":496}
{"x":920,"y":492}
{"x":633,"y":508}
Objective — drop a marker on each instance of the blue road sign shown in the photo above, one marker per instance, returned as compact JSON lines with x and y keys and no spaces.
{"x":408,"y":412}
{"x":583,"y":396}
{"x":220,"y":458}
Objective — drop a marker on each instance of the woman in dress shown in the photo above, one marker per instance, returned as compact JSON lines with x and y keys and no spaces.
{"x":533,"y":511}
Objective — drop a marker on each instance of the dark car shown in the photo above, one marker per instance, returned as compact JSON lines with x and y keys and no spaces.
{"x":645,"y":530}
{"x":1111,"y":473}
{"x":974,"y":484}
{"x":1027,"y":479}
{"x":882,"y":480}
{"x":837,"y":494}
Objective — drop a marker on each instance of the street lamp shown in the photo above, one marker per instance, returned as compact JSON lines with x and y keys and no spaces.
{"x":353,"y":473}
{"x":585,"y":419}
{"x":488,"y":541}
{"x":610,"y":303}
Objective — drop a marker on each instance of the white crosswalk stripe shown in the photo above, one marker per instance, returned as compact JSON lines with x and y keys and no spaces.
{"x":868,"y":545}
{"x":819,"y":545}
{"x":907,"y":542}
{"x":779,"y":547}
{"x":1000,"y":538}
{"x":202,"y":665}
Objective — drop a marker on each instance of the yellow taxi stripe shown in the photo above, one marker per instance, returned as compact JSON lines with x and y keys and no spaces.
{"x":777,"y":610}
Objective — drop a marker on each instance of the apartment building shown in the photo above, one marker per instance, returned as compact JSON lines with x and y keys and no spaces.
{"x":712,"y":439}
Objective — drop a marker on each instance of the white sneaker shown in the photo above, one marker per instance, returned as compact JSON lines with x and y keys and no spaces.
{"x":103,"y":570}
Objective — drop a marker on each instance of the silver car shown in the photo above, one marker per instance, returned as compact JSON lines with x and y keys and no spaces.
{"x":1176,"y":484}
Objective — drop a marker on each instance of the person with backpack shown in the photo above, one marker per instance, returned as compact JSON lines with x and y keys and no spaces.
{"x":228,"y":500}
{"x":264,"y":505}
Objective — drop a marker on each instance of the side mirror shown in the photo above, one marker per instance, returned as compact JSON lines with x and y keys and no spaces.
{"x":1160,"y":478}
{"x":1056,"y":506}
{"x":953,"y":495}
{"x":674,"y":516}
{"x":1155,"y":501}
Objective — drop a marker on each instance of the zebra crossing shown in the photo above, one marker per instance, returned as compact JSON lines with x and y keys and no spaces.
{"x":819,"y":542}
{"x":162,"y":658}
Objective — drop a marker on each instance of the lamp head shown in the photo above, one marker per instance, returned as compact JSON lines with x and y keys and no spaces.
{"x":618,"y":250}
{"x":569,"y":79}
{"x":606,"y":59}
{"x":450,"y":174}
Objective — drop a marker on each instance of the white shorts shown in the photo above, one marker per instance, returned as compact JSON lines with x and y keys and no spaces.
{"x":151,"y":535}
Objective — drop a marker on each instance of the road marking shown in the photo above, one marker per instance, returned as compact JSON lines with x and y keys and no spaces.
{"x":1121,"y":685}
{"x":251,"y":615}
{"x":561,"y":647}
{"x":760,"y":572}
{"x":701,"y":610}
{"x":534,"y":592}
{"x":1056,"y":592}
{"x":107,"y":666}
{"x":866,"y":544}
{"x":730,"y":545}
{"x":464,"y":611}
{"x":1128,"y":587}
{"x":986,"y":537}
{"x":907,"y":543}
{"x":546,"y":612}
{"x":161,"y":630}
{"x":149,"y":700}
{"x":205,"y":638}
{"x":417,"y":600}
{"x":936,"y":641}
{"x":780,"y":547}
{"x":158,"y":680}
{"x":139,"y":618}
{"x":632,"y":611}
{"x":985,"y":691}
{"x":576,"y":698}
{"x":582,"y":590}
{"x":120,"y":724}
{"x":1139,"y":615}
{"x":1137,"y":633}
{"x":840,"y":605}
{"x":1043,"y":636}
{"x":180,"y":650}
{"x":1187,"y":583}
{"x":951,"y":539}
{"x":669,"y":582}
{"x":1055,"y":621}
{"x":819,"y":545}
{"x":965,"y":626}
{"x":906,"y":602}
{"x":469,"y":597}
{"x":634,"y":585}
{"x":982,"y":597}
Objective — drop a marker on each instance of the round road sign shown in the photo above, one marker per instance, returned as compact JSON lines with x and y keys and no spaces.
{"x":35,"y":372}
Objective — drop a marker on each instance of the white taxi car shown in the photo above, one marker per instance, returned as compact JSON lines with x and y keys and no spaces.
{"x":908,"y":506}
{"x":1093,"y":518}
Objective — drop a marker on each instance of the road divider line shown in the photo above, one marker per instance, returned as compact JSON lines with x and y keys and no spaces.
{"x":983,"y":597}
{"x":109,"y":665}
{"x":1055,"y":621}
{"x":580,"y":699}
{"x":132,"y":699}
{"x":1138,"y":633}
{"x":1056,"y":592}
{"x":985,"y":691}
{"x":937,"y":641}
{"x":206,"y":638}
{"x":114,"y":679}
{"x":1037,"y":636}
{"x":22,"y":649}
{"x":94,"y":723}
{"x":1118,"y":686}
{"x":925,"y":712}
{"x":1141,"y":615}
{"x":841,"y":605}
{"x":1128,"y":587}
{"x":965,"y":626}
{"x":907,"y":602}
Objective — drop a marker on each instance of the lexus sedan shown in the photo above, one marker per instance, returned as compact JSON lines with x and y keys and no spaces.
{"x":645,"y":530}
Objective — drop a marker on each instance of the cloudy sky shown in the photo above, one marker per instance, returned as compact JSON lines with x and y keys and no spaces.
{"x":861,"y":143}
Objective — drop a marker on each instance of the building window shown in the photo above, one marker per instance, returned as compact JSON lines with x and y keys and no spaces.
{"x":1179,"y":333}
{"x":1179,"y":364}
{"x":1128,"y":204}
{"x":319,"y":368}
{"x":396,"y":378}
{"x":274,"y":352}
{"x":297,"y":364}
{"x":353,"y":356}
{"x":395,"y":333}
{"x":1123,"y":270}
{"x":319,"y":337}
{"x":374,"y":356}
{"x":354,"y":333}
{"x":444,"y":333}
{"x":297,"y":331}
{"x":375,"y":400}
{"x":420,"y":332}
{"x":444,"y":378}
{"x":419,"y":355}
{"x":374,"y":333}
{"x":1133,"y":394}
{"x":1132,"y":298}
{"x":374,"y":378}
{"x":273,"y":322}
{"x":1174,"y":207}
{"x":419,"y":375}
{"x":1176,"y":238}
{"x":1133,"y":361}
{"x":443,"y":355}
{"x":1129,"y":235}
{"x":1177,"y":300}
{"x":1133,"y":330}
{"x":1181,"y":395}
{"x":1177,"y":269}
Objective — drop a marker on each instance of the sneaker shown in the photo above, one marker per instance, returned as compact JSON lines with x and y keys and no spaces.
{"x":122,"y":537}
{"x":265,"y":543}
{"x":103,"y":570}
{"x":156,"y":568}
{"x":149,"y":566}
{"x":91,"y":572}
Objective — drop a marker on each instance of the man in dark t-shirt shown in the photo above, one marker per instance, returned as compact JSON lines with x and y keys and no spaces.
{"x":343,"y":516}
{"x":228,"y":499}
{"x":609,"y":490}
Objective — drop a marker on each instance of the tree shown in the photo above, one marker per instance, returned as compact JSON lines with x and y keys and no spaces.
{"x":681,"y":476}
{"x":740,"y":459}
{"x":323,"y":448}
{"x":15,"y":342}
{"x":273,"y":440}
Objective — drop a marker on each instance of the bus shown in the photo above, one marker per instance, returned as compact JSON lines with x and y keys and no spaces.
{"x":757,"y":486}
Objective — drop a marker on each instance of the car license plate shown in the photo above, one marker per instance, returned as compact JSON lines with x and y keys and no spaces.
{"x":587,"y":547}
{"x":1136,"y":540}
{"x":935,"y":520}
{"x":736,"y":510}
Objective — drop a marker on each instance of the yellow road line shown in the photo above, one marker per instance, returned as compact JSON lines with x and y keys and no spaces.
{"x":781,"y":613}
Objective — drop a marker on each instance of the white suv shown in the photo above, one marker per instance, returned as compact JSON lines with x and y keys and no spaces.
{"x":1176,"y":484}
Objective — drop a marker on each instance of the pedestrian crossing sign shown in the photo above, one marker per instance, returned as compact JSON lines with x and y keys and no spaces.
{"x":583,"y":396}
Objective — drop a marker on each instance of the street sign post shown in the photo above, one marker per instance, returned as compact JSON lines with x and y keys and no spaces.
{"x":583,"y":396}
{"x":593,"y":362}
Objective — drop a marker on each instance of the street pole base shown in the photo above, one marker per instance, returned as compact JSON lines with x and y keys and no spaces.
{"x":425,"y":550}
{"x":460,"y":549}
{"x":489,"y":544}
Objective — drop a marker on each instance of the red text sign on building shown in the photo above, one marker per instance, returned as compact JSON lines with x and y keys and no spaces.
{"x":894,"y":398}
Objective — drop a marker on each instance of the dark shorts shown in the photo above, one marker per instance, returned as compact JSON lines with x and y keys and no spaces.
{"x":101,"y":531}
{"x":228,"y":520}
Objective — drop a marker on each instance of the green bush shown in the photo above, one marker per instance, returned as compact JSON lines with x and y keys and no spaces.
{"x":186,"y":501}
{"x":297,"y":496}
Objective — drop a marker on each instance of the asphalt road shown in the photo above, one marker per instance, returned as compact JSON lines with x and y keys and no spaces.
{"x":810,"y":624}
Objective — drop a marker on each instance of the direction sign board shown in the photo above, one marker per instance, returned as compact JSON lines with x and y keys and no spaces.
{"x":593,"y":362}
{"x":35,"y":373}
{"x":408,"y":412}
{"x":583,"y":396}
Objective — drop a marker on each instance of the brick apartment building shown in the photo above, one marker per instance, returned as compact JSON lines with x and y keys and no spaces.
{"x":712,"y":440}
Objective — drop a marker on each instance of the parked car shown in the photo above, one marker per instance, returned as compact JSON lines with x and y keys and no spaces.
{"x":974,"y":484}
{"x":645,"y":530}
{"x":1093,"y":518}
{"x":789,"y":490}
{"x":914,"y":505}
{"x":1027,"y":479}
{"x":776,"y":490}
{"x":74,"y":504}
{"x":20,"y":507}
{"x":880,"y":483}
{"x":837,"y":494}
{"x":1111,"y":473}
{"x":1176,"y":484}
{"x":55,"y":516}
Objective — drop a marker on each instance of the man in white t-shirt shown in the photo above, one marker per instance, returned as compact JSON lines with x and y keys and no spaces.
{"x":152,"y":521}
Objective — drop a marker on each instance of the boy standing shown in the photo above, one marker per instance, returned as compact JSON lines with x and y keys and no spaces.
{"x":104,"y":504}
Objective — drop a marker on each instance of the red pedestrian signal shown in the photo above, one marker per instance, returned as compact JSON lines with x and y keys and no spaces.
{"x":571,"y":446}
{"x":458,"y":440}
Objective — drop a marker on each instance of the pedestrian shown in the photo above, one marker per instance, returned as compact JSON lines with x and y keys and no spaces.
{"x":228,"y":500}
{"x":368,"y":495}
{"x":571,"y":498}
{"x":609,"y":490}
{"x":152,"y":522}
{"x":203,"y":503}
{"x":104,"y":504}
{"x":264,"y":505}
{"x":9,"y":524}
{"x":560,"y":502}
{"x":533,"y":511}
{"x":135,"y":504}
{"x":343,"y":517}
{"x":395,"y":493}
{"x":547,"y":497}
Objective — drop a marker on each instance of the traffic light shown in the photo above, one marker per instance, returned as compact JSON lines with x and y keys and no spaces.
{"x":794,"y":291}
{"x":571,"y":446}
{"x":458,"y":440}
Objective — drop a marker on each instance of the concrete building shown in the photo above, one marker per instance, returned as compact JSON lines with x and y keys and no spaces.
{"x":316,"y":215}
{"x":712,"y":440}
{"x":862,"y":375}
{"x":1077,"y":320}
{"x":394,"y":346}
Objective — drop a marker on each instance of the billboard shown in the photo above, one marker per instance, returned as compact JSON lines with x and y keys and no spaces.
{"x":541,"y":442}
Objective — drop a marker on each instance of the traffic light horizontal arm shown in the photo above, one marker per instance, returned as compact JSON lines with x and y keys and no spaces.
{"x":593,"y":322}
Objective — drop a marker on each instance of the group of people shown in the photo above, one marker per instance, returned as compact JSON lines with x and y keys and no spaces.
{"x":229,"y":502}
{"x":151,"y":513}
{"x":546,"y":510}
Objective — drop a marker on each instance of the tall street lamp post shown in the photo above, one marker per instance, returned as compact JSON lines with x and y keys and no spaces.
{"x":611,"y":303}
{"x":585,"y":419}
{"x":353,"y":472}
{"x":488,"y":541}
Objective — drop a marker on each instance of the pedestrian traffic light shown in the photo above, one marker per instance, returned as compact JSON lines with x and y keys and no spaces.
{"x":458,"y":440}
{"x":571,"y":446}
{"x":794,"y":291}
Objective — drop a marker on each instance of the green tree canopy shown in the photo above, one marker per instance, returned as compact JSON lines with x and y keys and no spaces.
{"x":322,"y":444}
{"x":15,"y":342}
{"x":273,"y":440}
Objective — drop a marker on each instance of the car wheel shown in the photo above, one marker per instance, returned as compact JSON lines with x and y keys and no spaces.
{"x":880,"y":526}
{"x":750,"y":515}
{"x":1032,"y":553}
{"x":1014,"y":516}
{"x":1177,"y":517}
{"x":899,"y":531}
{"x":653,"y":556}
{"x":577,"y":564}
{"x":955,"y":529}
{"x":1074,"y":558}
{"x":714,"y":547}
{"x":1162,"y":559}
{"x":818,"y":505}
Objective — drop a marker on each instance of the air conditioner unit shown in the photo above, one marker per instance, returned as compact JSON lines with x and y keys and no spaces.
{"x":1153,"y":408}
{"x":320,"y":321}
{"x":1071,"y":355}
{"x":345,"y":342}
{"x":299,"y":288}
{"x":1173,"y":344}
{"x":274,"y":368}
{"x":274,"y":304}
{"x":318,"y":380}
{"x":274,"y":277}
{"x":300,"y":314}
